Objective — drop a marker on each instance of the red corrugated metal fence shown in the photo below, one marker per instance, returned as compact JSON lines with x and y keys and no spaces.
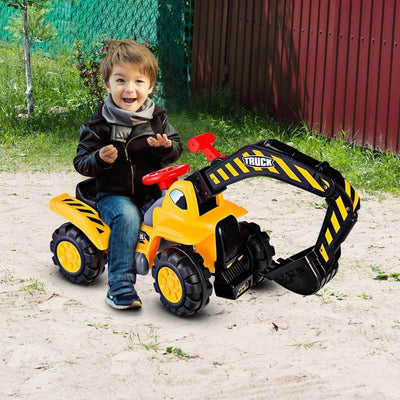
{"x":334,"y":64}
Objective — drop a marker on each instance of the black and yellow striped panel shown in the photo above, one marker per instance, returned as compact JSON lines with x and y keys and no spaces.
{"x":241,"y":165}
{"x":352,"y":194}
{"x":255,"y":162}
{"x":338,"y":217}
{"x":88,"y":212}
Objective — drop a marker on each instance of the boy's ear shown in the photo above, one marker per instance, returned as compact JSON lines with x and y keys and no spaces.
{"x":107,"y":88}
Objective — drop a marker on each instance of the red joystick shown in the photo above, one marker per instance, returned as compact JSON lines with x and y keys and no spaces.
{"x":165,"y":177}
{"x":205,"y":144}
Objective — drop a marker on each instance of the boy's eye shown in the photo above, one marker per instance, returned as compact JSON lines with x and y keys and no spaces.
{"x":119,"y":80}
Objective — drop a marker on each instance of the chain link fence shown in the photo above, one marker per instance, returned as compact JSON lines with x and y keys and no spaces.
{"x":166,"y":26}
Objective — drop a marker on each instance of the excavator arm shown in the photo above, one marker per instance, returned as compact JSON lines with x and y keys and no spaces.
{"x":308,"y":271}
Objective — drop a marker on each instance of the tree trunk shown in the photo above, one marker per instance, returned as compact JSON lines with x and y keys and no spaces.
{"x":29,"y":86}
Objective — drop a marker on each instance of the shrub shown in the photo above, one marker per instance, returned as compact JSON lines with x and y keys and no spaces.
{"x":88,"y":65}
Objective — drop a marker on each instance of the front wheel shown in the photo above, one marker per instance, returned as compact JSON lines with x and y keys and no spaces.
{"x":181,"y":280}
{"x":76,"y":257}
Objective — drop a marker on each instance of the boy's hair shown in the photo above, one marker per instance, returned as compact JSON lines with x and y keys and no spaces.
{"x":130,"y":52}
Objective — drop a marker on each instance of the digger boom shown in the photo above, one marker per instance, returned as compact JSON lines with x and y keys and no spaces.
{"x":305,"y":272}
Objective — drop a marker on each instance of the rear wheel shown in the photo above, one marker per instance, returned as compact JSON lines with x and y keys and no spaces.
{"x":261,"y":252}
{"x":181,"y":280}
{"x":77,"y":258}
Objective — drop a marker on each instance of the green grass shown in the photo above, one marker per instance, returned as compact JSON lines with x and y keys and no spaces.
{"x":47,"y":140}
{"x":34,"y":286}
{"x":177,"y":352}
{"x":150,"y":342}
{"x":381,"y":275}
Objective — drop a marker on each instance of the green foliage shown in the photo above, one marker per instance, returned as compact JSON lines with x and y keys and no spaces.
{"x":365,"y":296}
{"x":88,"y":65}
{"x":396,"y":324}
{"x":47,"y":139}
{"x":38,"y":29}
{"x":22,"y":4}
{"x":326,"y":295}
{"x":150,"y":341}
{"x":34,"y":286}
{"x":176,"y":351}
{"x":6,"y":275}
{"x":17,"y":4}
{"x":97,"y":325}
{"x":381,"y":275}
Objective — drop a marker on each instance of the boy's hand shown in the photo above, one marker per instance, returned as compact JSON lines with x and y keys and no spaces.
{"x":159,"y":141}
{"x":108,"y":153}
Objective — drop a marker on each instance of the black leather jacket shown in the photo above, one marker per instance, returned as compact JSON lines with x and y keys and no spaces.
{"x":136,"y":157}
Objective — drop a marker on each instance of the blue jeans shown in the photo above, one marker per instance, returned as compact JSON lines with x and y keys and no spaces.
{"x":124,"y":218}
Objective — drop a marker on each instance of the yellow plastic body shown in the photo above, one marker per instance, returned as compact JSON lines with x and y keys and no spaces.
{"x":169,"y":222}
{"x":84,"y":217}
{"x":186,"y":226}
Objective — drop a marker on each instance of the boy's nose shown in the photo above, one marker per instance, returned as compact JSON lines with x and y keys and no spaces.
{"x":131,"y":88}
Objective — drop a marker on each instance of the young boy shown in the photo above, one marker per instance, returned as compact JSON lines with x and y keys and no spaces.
{"x":127,"y":138}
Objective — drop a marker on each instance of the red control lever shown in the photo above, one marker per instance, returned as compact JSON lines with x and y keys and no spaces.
{"x":205,"y":144}
{"x":165,"y":177}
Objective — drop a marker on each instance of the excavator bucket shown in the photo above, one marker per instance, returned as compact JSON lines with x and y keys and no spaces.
{"x":302,"y":273}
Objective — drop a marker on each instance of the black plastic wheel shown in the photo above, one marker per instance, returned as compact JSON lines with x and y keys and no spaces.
{"x":181,"y":280}
{"x":77,"y":258}
{"x":261,"y":252}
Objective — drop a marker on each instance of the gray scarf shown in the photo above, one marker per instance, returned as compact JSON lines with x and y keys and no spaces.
{"x":122,"y":121}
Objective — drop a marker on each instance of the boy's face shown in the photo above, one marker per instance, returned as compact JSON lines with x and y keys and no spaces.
{"x":128,"y":87}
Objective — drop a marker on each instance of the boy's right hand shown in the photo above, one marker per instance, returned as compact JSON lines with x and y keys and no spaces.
{"x":108,"y":153}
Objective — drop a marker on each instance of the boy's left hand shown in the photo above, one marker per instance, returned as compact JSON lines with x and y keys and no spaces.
{"x":159,"y":141}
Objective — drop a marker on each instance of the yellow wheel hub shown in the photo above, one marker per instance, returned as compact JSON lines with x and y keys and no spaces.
{"x":169,"y":284}
{"x":69,"y":257}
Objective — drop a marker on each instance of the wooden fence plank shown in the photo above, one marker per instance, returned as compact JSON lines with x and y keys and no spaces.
{"x":333,"y":65}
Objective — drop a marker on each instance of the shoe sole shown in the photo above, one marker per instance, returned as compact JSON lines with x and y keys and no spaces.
{"x":135,"y":305}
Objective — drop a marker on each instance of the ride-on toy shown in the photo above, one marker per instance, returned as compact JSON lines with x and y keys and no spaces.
{"x":192,"y":231}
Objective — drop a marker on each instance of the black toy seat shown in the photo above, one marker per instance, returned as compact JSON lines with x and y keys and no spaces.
{"x":86,"y":192}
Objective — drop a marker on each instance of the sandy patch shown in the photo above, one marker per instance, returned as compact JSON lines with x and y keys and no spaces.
{"x":60,"y":340}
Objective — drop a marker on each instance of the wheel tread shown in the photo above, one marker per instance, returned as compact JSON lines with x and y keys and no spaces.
{"x":94,"y":261}
{"x":189,"y":264}
{"x":259,"y":247}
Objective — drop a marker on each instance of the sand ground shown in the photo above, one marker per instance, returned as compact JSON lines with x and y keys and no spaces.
{"x":61,"y":341}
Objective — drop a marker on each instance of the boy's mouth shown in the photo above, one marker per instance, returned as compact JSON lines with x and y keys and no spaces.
{"x":128,"y":100}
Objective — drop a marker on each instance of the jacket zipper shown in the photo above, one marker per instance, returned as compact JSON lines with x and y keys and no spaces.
{"x":131,"y":165}
{"x":127,"y":158}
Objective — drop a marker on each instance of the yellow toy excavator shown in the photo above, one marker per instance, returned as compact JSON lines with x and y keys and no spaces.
{"x":192,"y":232}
